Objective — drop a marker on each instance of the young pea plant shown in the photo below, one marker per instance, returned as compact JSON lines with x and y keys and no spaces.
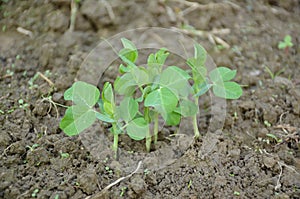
{"x":286,"y":43}
{"x":160,"y":92}
{"x":217,"y":79}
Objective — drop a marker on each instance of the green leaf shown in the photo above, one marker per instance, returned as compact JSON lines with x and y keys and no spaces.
{"x":158,"y":59}
{"x":145,"y":92}
{"x":176,"y":80}
{"x":129,"y":53}
{"x":104,"y":118}
{"x":228,"y":90}
{"x":128,"y":109}
{"x":128,"y":56}
{"x":140,"y":76}
{"x":82,"y":93}
{"x":200,"y":55}
{"x":199,"y":75}
{"x":163,"y":100}
{"x":287,"y":39}
{"x":186,"y":108}
{"x":107,"y":93}
{"x":173,"y":118}
{"x":137,"y":129}
{"x":76,"y":119}
{"x":203,"y":88}
{"x":125,"y":85}
{"x":222,"y":74}
{"x":123,"y":69}
{"x":128,"y":44}
{"x":108,"y":108}
{"x":281,"y":45}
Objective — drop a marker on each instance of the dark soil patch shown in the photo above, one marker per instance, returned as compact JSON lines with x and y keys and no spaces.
{"x":241,"y":160}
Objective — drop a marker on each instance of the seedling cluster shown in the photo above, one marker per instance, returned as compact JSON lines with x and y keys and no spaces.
{"x":148,"y":93}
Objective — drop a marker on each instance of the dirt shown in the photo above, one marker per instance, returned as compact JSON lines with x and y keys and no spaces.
{"x":243,"y":159}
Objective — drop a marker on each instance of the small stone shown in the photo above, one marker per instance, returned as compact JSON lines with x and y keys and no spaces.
{"x":269,"y":162}
{"x":137,"y":185}
{"x":88,"y":182}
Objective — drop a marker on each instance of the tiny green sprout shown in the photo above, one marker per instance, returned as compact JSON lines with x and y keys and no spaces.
{"x":64,"y":155}
{"x":236,"y":193}
{"x":108,"y":169}
{"x":231,"y":175}
{"x":147,"y":93}
{"x":270,"y":135}
{"x":190,"y":184}
{"x":31,"y":148}
{"x":3,"y":28}
{"x":9,"y":72}
{"x":146,"y":171}
{"x":273,"y":75}
{"x":286,"y":43}
{"x":18,"y":57}
{"x":123,"y":189}
{"x":56,"y":196}
{"x":34,"y":193}
{"x":32,"y":80}
{"x":22,"y":104}
{"x":1,"y":111}
{"x":267,"y":123}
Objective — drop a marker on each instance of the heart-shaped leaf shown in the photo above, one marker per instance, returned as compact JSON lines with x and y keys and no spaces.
{"x":125,"y":85}
{"x":176,"y":80}
{"x":228,"y":90}
{"x":82,"y":93}
{"x":222,"y":74}
{"x":137,"y":129}
{"x":76,"y":119}
{"x":186,"y":108}
{"x":163,"y":100}
{"x":172,"y":119}
{"x":128,"y":109}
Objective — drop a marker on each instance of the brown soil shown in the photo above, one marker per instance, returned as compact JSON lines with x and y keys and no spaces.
{"x":239,"y":161}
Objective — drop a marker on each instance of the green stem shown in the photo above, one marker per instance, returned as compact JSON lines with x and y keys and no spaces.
{"x":116,"y":139}
{"x":155,"y":127}
{"x":148,"y":136}
{"x":195,"y":123}
{"x":148,"y":140}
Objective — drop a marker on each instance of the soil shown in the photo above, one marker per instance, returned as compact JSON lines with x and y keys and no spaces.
{"x":255,"y":155}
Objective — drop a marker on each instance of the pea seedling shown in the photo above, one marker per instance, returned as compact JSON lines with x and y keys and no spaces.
{"x":148,"y":93}
{"x":286,"y":43}
{"x":218,"y":79}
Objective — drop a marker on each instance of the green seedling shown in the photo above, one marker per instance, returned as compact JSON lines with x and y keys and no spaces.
{"x":217,"y":79}
{"x":146,"y":171}
{"x":270,"y":135}
{"x":108,"y":170}
{"x":34,"y":193}
{"x":273,"y":75}
{"x":267,"y":123}
{"x":22,"y":104}
{"x":31,"y":148}
{"x":190,"y":184}
{"x":148,"y":93}
{"x":236,"y":193}
{"x":286,"y":43}
{"x":64,"y":155}
{"x":123,"y":189}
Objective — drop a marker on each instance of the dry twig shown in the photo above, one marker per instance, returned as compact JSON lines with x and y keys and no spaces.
{"x":211,"y":35}
{"x":114,"y":183}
